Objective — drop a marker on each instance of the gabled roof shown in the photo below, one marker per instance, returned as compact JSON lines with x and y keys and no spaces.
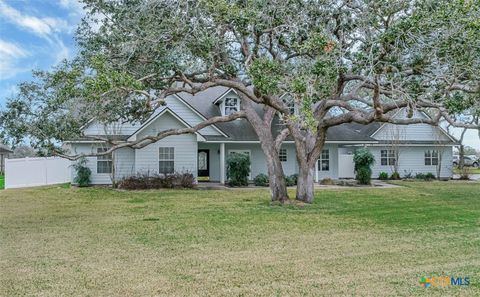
{"x":203,"y":104}
{"x":152,"y":119}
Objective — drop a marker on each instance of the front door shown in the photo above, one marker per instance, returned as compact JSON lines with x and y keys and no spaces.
{"x":203,"y":165}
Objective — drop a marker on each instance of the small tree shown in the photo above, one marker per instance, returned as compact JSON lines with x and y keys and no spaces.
{"x":363,"y":159}
{"x":238,"y":169}
{"x":82,"y":176}
{"x":396,"y":137}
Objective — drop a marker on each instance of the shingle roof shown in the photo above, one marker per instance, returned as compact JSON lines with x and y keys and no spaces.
{"x":241,"y":130}
{"x":5,"y":149}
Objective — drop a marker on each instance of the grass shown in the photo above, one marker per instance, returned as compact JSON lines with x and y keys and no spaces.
{"x":100,"y":242}
{"x":2,"y":182}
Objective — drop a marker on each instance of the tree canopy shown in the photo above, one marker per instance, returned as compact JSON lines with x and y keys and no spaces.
{"x":337,"y":60}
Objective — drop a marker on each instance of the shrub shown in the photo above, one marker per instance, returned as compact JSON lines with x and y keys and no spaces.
{"x":238,"y":169}
{"x":294,"y":178}
{"x":363,"y":159}
{"x":465,"y":173}
{"x":408,"y":175}
{"x":82,"y":173}
{"x":383,"y":176}
{"x":261,"y":180}
{"x":364,"y":175}
{"x":291,"y":180}
{"x":427,"y":177}
{"x":419,"y":176}
{"x":395,"y":175}
{"x":326,"y":181}
{"x":143,"y":181}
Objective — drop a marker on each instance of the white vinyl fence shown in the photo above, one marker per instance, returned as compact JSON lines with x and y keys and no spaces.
{"x":33,"y":172}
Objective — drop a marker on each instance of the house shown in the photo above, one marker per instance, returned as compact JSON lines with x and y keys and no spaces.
{"x":420,"y":148}
{"x":4,"y":154}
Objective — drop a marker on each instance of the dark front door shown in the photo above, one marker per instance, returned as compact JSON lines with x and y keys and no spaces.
{"x":203,"y":165}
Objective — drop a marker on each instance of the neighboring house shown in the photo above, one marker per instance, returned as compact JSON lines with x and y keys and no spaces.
{"x":4,"y":154}
{"x":422,"y":149}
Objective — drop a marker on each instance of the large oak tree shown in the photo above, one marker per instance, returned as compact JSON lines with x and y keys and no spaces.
{"x":334,"y":61}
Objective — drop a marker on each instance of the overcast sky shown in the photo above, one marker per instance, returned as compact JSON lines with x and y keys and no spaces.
{"x":37,"y":34}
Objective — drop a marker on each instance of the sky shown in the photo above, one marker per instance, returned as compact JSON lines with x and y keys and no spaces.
{"x":38,"y":34}
{"x":34,"y":34}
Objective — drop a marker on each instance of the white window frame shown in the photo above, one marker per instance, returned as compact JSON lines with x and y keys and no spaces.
{"x":104,"y":159}
{"x":390,"y":157}
{"x":283,"y":155}
{"x":166,"y":160}
{"x":429,"y":157}
{"x":224,"y":106}
{"x":321,"y":159}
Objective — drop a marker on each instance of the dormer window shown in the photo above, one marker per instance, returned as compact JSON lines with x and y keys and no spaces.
{"x":231,"y":105}
{"x":290,"y":102}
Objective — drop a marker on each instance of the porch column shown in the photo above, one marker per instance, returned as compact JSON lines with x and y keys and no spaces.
{"x":316,"y":171}
{"x":222,"y":163}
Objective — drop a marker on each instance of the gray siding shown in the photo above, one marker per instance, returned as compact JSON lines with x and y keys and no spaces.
{"x":412,"y":160}
{"x":177,"y":106}
{"x":258,"y":162}
{"x":123,"y":161}
{"x":146,"y":159}
{"x":422,"y":132}
{"x":95,"y":128}
{"x":189,"y":116}
{"x":333,"y":172}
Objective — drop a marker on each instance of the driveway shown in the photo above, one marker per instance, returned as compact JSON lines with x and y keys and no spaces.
{"x":472,"y":176}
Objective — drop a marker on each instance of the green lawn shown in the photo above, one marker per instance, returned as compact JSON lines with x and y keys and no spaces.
{"x":2,"y":182}
{"x":100,"y":242}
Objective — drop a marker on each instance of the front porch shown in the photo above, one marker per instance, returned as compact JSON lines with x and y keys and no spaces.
{"x":335,"y":162}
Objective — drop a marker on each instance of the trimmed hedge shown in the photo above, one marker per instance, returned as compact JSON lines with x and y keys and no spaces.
{"x":261,"y":180}
{"x":158,"y":181}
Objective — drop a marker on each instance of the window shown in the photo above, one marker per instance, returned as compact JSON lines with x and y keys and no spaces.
{"x":431,"y":157}
{"x":387,"y":157}
{"x":324,"y":161}
{"x":290,"y":102}
{"x":104,"y":163}
{"x":166,"y":160}
{"x":231,"y":105}
{"x":282,"y":154}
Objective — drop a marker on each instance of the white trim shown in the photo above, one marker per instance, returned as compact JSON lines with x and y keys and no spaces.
{"x":412,"y":144}
{"x":84,"y":141}
{"x":199,"y":114}
{"x":441,"y":129}
{"x":319,"y":168}
{"x":222,"y":163}
{"x":159,"y":115}
{"x":249,"y":155}
{"x":223,"y":106}
{"x":290,"y":141}
{"x":426,"y":115}
{"x":158,"y":158}
{"x":225,"y":94}
{"x":87,"y":124}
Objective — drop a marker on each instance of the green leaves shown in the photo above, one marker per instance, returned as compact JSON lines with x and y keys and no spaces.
{"x":266,"y":75}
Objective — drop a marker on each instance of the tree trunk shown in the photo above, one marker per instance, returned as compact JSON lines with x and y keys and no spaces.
{"x":461,"y":161}
{"x":305,"y":184}
{"x":263,"y":128}
{"x":276,"y":178}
